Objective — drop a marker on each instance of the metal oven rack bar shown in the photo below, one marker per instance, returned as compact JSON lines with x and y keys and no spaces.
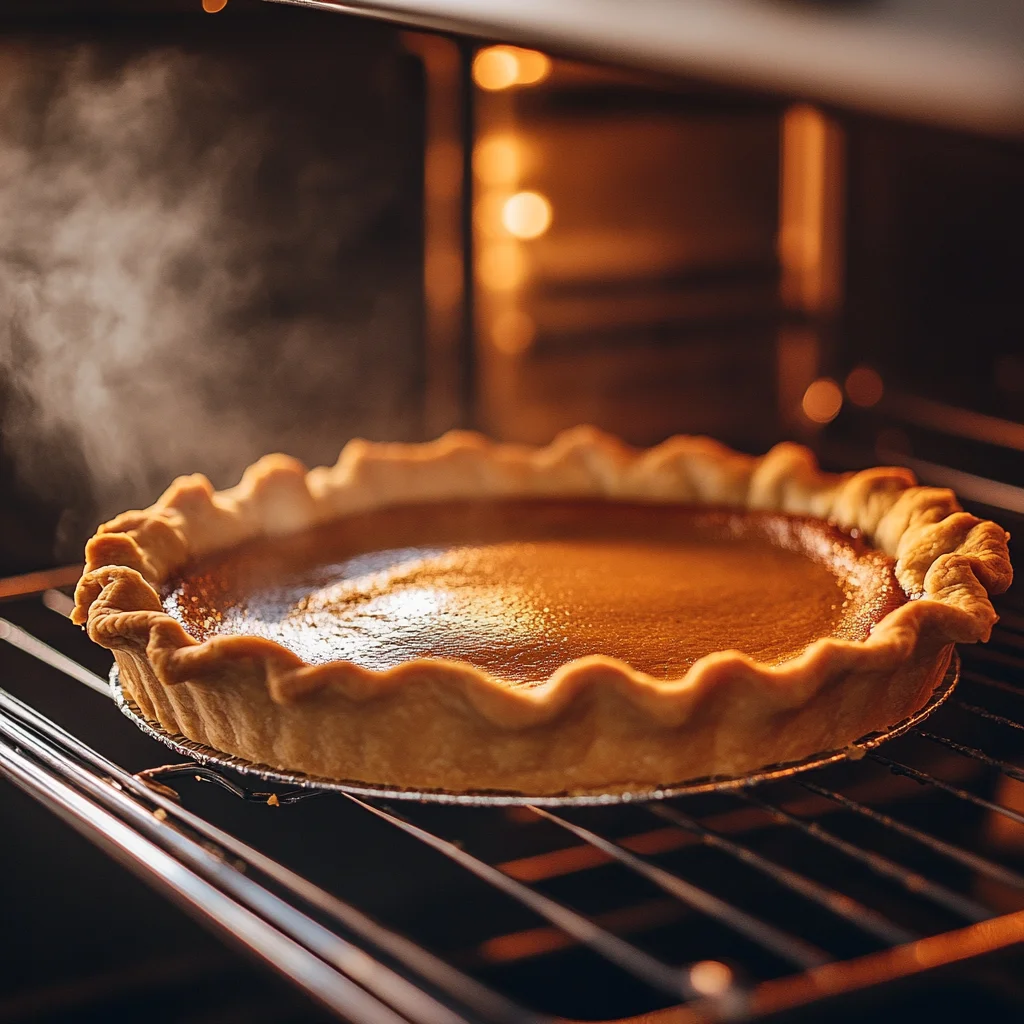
{"x":365,"y":972}
{"x":155,"y":836}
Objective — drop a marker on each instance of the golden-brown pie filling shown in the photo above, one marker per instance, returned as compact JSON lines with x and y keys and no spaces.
{"x":519,"y":588}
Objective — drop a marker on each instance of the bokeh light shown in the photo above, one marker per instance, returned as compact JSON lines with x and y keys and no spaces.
{"x":487,"y":212}
{"x":526,"y":215}
{"x":864,"y":386}
{"x":497,"y":160}
{"x":513,"y":332}
{"x":495,"y":68}
{"x":214,"y":6}
{"x":533,"y":67}
{"x":822,"y":400}
{"x":710,"y":978}
{"x":502,"y":266}
{"x":500,"y":67}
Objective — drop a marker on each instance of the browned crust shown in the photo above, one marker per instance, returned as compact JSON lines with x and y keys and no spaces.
{"x":596,"y":722}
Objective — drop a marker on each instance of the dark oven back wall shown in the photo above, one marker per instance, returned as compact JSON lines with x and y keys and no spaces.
{"x":210,"y":248}
{"x":935,"y":263}
{"x":934,"y":303}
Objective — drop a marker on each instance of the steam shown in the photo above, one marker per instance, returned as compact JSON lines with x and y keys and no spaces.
{"x":177,"y":289}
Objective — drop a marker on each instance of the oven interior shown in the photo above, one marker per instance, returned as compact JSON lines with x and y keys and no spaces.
{"x":266,"y":228}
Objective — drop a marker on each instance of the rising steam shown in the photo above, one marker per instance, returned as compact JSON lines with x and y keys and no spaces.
{"x":188,"y":275}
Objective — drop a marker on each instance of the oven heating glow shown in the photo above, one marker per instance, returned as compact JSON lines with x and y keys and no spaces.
{"x":498,"y":159}
{"x":513,"y":331}
{"x":526,"y":215}
{"x":710,"y":978}
{"x":822,"y":400}
{"x":507,"y":213}
{"x":502,"y":266}
{"x":501,"y":67}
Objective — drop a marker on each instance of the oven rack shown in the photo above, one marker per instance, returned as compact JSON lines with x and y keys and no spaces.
{"x":364,"y":971}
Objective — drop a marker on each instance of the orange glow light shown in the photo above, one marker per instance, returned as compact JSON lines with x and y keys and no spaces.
{"x":497,"y":160}
{"x":214,"y":6}
{"x":495,"y":68}
{"x":500,"y":67}
{"x":513,"y":332}
{"x":864,"y":386}
{"x":487,"y":214}
{"x":526,"y":215}
{"x":502,"y":266}
{"x":533,"y":67}
{"x":710,"y":978}
{"x":822,"y":400}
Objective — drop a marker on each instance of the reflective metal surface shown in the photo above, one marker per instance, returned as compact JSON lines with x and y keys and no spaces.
{"x":951,"y":62}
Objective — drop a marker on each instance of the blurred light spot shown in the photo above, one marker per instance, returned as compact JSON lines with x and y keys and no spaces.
{"x":809,"y":208}
{"x":533,"y":67}
{"x":513,"y":332}
{"x":495,"y":68}
{"x":822,"y":400}
{"x":499,"y":67}
{"x":496,"y":160}
{"x":710,"y":978}
{"x":864,"y":386}
{"x":502,"y":266}
{"x":214,"y":6}
{"x":526,"y":215}
{"x":487,"y":214}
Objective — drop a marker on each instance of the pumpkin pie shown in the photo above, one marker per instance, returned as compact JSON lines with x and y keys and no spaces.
{"x":469,"y":616}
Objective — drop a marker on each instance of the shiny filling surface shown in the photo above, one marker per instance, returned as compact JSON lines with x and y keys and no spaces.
{"x":519,"y":588}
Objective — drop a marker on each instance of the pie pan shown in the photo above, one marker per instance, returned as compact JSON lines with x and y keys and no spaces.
{"x":596,"y":724}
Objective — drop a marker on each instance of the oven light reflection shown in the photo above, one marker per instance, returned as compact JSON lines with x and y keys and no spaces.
{"x":487,"y":214}
{"x":822,"y":400}
{"x":864,"y":387}
{"x":533,"y":67}
{"x":497,"y":160}
{"x":513,"y":332}
{"x":495,"y":68}
{"x":526,"y":215}
{"x":710,"y":978}
{"x":500,"y":67}
{"x":502,"y":266}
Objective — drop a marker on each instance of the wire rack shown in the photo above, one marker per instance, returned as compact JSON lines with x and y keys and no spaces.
{"x":724,"y":906}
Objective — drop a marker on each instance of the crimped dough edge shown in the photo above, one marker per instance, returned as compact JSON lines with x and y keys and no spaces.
{"x":595,"y":722}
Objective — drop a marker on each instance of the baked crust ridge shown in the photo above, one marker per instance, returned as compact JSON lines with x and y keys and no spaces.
{"x":595,"y":723}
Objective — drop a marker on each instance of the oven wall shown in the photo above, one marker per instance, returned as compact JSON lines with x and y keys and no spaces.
{"x":745,"y":266}
{"x":650,"y":303}
{"x":932,"y":310}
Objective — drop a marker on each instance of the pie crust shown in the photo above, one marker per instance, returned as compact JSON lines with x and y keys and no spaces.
{"x":596,"y":724}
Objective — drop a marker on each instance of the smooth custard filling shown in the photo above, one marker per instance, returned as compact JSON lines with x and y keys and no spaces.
{"x":519,"y":588}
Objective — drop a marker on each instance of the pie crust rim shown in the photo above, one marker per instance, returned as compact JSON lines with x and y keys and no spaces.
{"x":434,"y":724}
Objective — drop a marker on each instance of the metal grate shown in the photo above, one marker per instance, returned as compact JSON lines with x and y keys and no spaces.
{"x":723,"y":905}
